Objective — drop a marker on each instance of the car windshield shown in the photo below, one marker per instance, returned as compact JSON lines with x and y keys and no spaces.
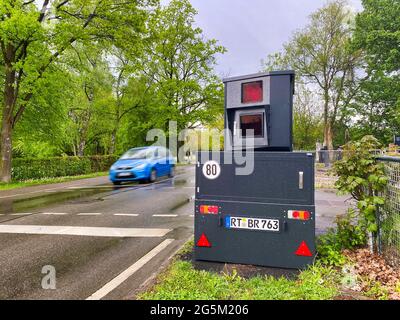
{"x":140,"y":153}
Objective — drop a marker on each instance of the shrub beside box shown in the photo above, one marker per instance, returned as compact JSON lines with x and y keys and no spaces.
{"x":26,"y":169}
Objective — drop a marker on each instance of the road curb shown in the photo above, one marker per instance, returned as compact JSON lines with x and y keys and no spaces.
{"x":152,"y":279}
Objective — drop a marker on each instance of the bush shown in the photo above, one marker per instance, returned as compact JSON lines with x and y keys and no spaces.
{"x":361,"y":175}
{"x":25,"y":169}
{"x":350,"y":233}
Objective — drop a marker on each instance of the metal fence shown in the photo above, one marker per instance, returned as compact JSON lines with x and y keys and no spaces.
{"x":389,"y":217}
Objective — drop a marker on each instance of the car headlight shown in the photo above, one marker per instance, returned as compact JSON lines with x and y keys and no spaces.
{"x":141,"y":166}
{"x":113,"y":167}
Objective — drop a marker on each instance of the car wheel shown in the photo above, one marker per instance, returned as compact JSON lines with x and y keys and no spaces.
{"x":153,"y":175}
{"x":171,"y":172}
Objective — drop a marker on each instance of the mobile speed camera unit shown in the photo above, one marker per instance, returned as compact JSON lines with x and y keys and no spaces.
{"x":266,"y":216}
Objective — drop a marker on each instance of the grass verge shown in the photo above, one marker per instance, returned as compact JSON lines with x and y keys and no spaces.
{"x":28,"y":183}
{"x":182,"y":282}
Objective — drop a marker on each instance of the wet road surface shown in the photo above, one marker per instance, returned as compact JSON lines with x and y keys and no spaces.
{"x":95,"y":237}
{"x":103,"y":242}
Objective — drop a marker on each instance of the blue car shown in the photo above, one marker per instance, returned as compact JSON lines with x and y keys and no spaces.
{"x":143,"y":164}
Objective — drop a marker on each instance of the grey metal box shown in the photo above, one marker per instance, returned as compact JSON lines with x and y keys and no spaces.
{"x":279,"y":183}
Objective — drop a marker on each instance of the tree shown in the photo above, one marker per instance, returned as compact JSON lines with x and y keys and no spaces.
{"x":179,"y":62}
{"x":323,"y":58}
{"x":93,"y":96}
{"x":34,"y":35}
{"x":362,"y":176}
{"x":307,"y":119}
{"x":377,"y":34}
{"x":131,"y":90}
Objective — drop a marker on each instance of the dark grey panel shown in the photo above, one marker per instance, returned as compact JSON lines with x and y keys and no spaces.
{"x":281,"y":116}
{"x":275,"y":179}
{"x":257,"y":75}
{"x":255,"y":247}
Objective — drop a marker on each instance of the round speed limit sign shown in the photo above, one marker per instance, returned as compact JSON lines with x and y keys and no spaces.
{"x":211,"y":170}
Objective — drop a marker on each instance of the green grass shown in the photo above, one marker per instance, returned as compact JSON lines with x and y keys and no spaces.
{"x":27,"y":183}
{"x":182,"y":282}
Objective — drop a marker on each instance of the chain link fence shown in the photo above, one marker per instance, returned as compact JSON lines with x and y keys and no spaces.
{"x":389,"y":217}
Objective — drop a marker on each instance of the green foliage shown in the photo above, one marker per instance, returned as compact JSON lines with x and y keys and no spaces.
{"x":378,"y":103}
{"x":377,"y":32}
{"x":349,"y":233}
{"x":361,"y":175}
{"x":307,"y":120}
{"x":36,"y":38}
{"x":321,"y":55}
{"x":93,"y":77}
{"x":376,"y":290}
{"x":25,"y":169}
{"x":183,"y":282}
{"x":181,"y":61}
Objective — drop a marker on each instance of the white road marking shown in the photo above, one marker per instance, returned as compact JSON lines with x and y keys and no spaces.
{"x":89,"y":214}
{"x":118,"y":280}
{"x":192,"y":216}
{"x":165,"y":215}
{"x":84,"y":231}
{"x":54,"y":213}
{"x":126,"y":214}
{"x":96,"y":187}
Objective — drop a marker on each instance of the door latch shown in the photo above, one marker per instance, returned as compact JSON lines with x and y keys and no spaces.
{"x":301,"y":180}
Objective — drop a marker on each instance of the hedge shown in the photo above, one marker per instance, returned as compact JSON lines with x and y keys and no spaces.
{"x":25,"y":169}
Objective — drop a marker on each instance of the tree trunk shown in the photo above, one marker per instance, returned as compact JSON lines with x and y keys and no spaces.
{"x":113,"y":141}
{"x":6,"y":149}
{"x":7,"y":120}
{"x":328,"y":136}
{"x":114,"y":133}
{"x":81,"y":147}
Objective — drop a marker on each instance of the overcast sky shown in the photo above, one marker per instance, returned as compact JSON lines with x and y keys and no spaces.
{"x":252,"y":29}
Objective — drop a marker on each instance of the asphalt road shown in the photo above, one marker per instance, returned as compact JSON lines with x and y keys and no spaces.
{"x":101,"y":242}
{"x":87,"y":239}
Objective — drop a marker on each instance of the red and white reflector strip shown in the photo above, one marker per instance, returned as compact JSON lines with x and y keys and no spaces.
{"x":209,"y":209}
{"x":203,"y":242}
{"x":299,"y":215}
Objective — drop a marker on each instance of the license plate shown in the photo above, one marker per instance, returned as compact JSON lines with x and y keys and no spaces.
{"x":252,"y":224}
{"x":124,"y":174}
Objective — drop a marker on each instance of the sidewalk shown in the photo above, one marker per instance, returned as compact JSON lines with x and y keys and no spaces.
{"x":53,"y":187}
{"x":31,"y":190}
{"x":328,"y":206}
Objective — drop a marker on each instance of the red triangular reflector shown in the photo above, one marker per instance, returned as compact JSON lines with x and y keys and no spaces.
{"x":203,"y":241}
{"x":303,"y":250}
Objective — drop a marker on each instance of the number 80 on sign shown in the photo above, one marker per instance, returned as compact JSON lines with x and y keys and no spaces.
{"x":211,"y":170}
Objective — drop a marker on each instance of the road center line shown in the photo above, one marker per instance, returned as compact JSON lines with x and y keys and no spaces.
{"x":89,"y":214}
{"x":54,"y":213}
{"x":84,"y":231}
{"x":165,"y":215}
{"x":126,"y":214}
{"x":118,"y":280}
